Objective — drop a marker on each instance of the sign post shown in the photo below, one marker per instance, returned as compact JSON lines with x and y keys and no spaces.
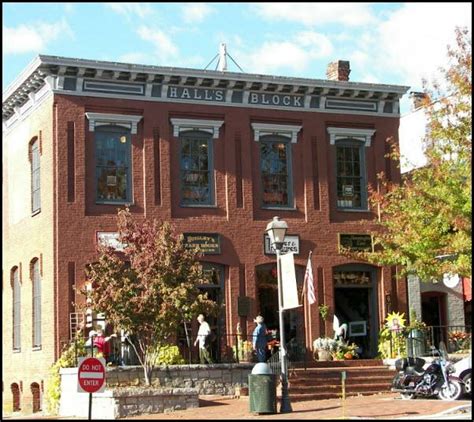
{"x":91,"y":377}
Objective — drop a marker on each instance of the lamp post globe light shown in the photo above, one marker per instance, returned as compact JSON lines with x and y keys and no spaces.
{"x":276,"y":231}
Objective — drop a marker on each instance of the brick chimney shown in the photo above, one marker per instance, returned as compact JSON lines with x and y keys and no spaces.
{"x":338,"y":70}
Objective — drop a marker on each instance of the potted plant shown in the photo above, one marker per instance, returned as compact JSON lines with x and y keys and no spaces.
{"x":243,"y":351}
{"x":323,"y":311}
{"x":324,"y":346}
{"x":345,"y":351}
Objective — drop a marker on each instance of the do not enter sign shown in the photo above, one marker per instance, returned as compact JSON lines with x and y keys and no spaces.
{"x":91,"y":375}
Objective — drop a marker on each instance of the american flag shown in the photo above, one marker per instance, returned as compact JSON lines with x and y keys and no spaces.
{"x":309,"y":282}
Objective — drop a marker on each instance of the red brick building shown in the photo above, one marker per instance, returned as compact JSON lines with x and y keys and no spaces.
{"x":216,"y":153}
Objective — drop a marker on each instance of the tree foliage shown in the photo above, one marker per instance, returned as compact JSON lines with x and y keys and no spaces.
{"x":150,"y":287}
{"x":426,"y":221}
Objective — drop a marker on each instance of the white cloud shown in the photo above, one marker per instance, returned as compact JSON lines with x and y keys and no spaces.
{"x":352,"y":14}
{"x":296,"y":53}
{"x":413,"y":41}
{"x":165,"y":49}
{"x":142,"y":10}
{"x":196,"y":12}
{"x":33,"y":38}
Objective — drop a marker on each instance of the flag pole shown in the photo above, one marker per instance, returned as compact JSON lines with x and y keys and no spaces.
{"x":306,"y":309}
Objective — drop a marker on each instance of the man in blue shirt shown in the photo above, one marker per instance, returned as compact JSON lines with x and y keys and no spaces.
{"x":259,"y":339}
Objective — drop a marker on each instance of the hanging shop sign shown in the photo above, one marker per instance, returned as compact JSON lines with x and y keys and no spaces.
{"x":291,"y":244}
{"x":356,"y":242}
{"x":110,"y":239}
{"x":206,"y":243}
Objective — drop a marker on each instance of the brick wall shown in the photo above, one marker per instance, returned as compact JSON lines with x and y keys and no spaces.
{"x":64,"y":233}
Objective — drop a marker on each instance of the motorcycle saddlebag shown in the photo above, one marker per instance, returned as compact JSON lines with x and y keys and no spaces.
{"x":402,"y":364}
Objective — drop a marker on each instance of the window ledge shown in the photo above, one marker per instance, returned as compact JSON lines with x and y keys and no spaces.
{"x":352,"y":210}
{"x":36,"y":212}
{"x":16,"y":350}
{"x":197,"y":206}
{"x":128,"y":203}
{"x":36,"y":348}
{"x":280,"y":208}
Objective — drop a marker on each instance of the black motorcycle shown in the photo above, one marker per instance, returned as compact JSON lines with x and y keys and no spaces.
{"x":436,"y":380}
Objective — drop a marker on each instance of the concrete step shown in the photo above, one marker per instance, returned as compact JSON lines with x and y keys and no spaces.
{"x":351,"y":372}
{"x":337,"y":389}
{"x":376,"y":379}
{"x":341,"y":363}
{"x":330,"y":395}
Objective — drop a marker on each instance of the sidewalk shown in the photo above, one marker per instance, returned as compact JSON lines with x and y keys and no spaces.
{"x":380,"y":406}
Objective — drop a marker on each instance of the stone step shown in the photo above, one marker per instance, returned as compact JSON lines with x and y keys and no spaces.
{"x":339,"y":363}
{"x":325,"y":396}
{"x":319,"y":373}
{"x":383,"y":378}
{"x":337,"y":388}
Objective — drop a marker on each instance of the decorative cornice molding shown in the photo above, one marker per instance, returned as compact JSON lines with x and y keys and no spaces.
{"x":288,"y":131}
{"x":210,"y":126}
{"x":339,"y":133}
{"x":128,"y":120}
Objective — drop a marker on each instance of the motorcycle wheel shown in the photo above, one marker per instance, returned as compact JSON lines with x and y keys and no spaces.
{"x":407,"y":396}
{"x":452,"y":393}
{"x":467,"y":384}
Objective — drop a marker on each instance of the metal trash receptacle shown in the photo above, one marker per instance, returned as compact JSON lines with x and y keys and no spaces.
{"x":262,"y":389}
{"x":416,"y":343}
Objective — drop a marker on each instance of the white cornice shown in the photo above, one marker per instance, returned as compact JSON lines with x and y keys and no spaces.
{"x":118,"y":119}
{"x":211,"y":126}
{"x":339,"y":133}
{"x":288,"y":131}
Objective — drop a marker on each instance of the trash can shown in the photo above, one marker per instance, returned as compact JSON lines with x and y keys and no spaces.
{"x":262,"y":389}
{"x":416,"y":343}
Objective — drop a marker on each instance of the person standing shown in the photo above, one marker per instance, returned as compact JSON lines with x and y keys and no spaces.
{"x":259,"y":338}
{"x":202,"y":335}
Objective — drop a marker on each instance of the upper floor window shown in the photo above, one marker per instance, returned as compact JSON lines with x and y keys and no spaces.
{"x":196,"y":168}
{"x":36,"y":281}
{"x":16,"y":293}
{"x":35,"y":176}
{"x":275,"y":165}
{"x":351,"y":180}
{"x":113,"y":164}
{"x":350,"y":168}
{"x":275,"y":162}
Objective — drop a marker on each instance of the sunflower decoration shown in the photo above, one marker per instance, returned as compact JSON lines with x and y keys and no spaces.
{"x":395,"y":321}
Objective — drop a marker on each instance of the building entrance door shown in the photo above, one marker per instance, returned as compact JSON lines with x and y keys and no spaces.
{"x":355,"y":304}
{"x":267,"y":304}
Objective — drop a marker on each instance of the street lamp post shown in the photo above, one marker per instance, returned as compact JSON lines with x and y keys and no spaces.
{"x":276,"y":230}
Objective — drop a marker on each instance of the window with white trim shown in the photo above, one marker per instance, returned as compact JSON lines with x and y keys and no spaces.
{"x":351,"y":185}
{"x":16,"y":299}
{"x":196,"y":168}
{"x":36,"y":282}
{"x":35,"y":177}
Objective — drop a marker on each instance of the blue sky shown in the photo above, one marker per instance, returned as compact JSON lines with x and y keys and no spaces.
{"x":392,"y":43}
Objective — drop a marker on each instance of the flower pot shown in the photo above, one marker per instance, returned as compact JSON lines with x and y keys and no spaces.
{"x":324,"y":355}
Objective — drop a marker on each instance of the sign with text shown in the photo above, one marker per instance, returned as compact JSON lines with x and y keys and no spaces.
{"x":110,"y":239}
{"x":207,"y":243}
{"x":281,"y":100}
{"x":91,"y":375}
{"x":356,"y":242}
{"x":203,"y":94}
{"x":291,"y":244}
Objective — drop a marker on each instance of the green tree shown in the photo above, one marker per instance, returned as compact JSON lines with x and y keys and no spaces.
{"x":425,"y":221}
{"x":150,"y":287}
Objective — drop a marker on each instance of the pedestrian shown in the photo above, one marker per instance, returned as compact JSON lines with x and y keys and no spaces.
{"x":259,"y":338}
{"x":202,"y":338}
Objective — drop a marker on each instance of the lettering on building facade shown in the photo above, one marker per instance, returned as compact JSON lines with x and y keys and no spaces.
{"x":206,"y":243}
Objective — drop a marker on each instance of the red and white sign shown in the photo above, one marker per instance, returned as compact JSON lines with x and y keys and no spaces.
{"x":91,"y":375}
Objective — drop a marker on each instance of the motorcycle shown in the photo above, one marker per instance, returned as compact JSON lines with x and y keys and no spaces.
{"x":412,"y":380}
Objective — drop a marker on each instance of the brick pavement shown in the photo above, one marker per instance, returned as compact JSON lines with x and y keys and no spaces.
{"x":380,"y":406}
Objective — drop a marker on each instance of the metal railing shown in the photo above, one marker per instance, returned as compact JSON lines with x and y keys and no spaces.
{"x":418,"y":342}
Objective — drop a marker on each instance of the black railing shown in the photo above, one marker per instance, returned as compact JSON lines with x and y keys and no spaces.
{"x":457,"y":338}
{"x":227,"y":348}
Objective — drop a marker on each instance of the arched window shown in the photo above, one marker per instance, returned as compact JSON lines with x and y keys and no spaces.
{"x":36,"y":282}
{"x":16,"y":397}
{"x":113,"y":164}
{"x":35,"y":176}
{"x":16,"y":290}
{"x":36,"y":393}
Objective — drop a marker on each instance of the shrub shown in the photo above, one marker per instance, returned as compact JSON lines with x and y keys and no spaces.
{"x":169,"y":355}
